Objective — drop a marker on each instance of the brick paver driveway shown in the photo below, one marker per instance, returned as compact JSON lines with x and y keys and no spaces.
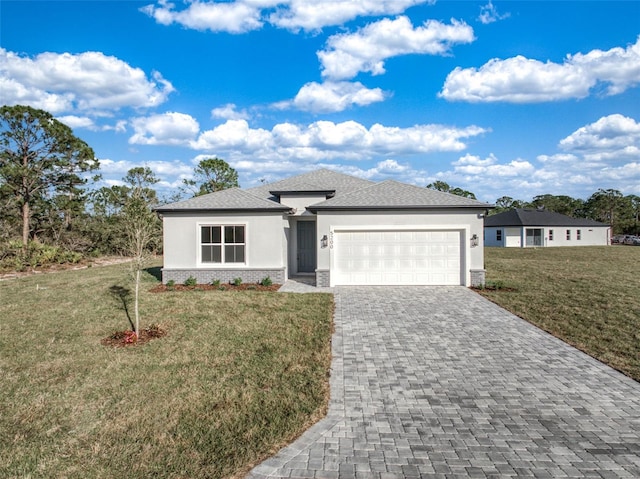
{"x":439,"y":382}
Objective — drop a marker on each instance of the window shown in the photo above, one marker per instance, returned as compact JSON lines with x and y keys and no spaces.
{"x":568,"y":235}
{"x":550,"y":235}
{"x":498,"y":235}
{"x":578,"y":235}
{"x":222,"y":244}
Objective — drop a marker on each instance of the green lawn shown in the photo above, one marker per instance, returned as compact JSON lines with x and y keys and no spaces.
{"x":587,"y":296}
{"x":238,"y":375}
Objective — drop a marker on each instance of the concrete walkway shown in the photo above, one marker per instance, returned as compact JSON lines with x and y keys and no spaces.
{"x":439,"y":382}
{"x":302,"y":284}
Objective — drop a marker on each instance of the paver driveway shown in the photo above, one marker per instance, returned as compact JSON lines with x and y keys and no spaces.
{"x":439,"y":382}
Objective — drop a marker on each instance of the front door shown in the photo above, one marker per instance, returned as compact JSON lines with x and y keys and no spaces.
{"x":306,"y":246}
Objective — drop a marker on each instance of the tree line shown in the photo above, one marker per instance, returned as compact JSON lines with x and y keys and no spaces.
{"x":50,"y":212}
{"x":608,"y":206}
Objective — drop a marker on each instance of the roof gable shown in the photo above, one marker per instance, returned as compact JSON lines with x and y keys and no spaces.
{"x":534,"y":217}
{"x":392,"y":194}
{"x":233,"y":199}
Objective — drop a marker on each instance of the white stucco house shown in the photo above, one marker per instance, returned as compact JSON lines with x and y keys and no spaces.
{"x":523,"y":227}
{"x":338,"y":228}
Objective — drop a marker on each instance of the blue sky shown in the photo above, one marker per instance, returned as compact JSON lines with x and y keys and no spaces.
{"x":500,"y":98}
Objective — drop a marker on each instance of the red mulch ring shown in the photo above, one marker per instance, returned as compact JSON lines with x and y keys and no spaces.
{"x":121,"y":339}
{"x":161,"y":288}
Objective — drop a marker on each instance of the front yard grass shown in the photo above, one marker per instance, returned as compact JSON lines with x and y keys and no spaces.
{"x":587,"y":296}
{"x":238,"y":375}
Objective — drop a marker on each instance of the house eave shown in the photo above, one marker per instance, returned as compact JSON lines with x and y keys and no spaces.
{"x":222,"y":210}
{"x":314,"y":209}
{"x":302,"y":192}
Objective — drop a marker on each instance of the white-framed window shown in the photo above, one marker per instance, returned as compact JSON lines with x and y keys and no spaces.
{"x":498,"y":235}
{"x":550,"y":235}
{"x":222,"y":243}
{"x":578,"y":235}
{"x":568,"y":235}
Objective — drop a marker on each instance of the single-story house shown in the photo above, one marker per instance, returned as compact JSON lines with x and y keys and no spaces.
{"x":524,"y":227}
{"x":341,"y":229}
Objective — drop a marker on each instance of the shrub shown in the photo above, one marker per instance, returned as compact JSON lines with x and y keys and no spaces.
{"x":190,"y":281}
{"x":237,"y":281}
{"x":36,"y":255}
{"x":171,"y":283}
{"x":266,"y":281}
{"x":215,"y":282}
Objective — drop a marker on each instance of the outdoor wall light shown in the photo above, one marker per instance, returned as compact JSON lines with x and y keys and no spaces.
{"x":324,"y":241}
{"x":474,"y":240}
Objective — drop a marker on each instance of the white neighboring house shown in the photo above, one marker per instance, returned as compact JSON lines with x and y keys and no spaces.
{"x":340,"y":229}
{"x":523,"y":228}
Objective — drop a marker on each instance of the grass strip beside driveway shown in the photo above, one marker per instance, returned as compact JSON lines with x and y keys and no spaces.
{"x":587,"y":296}
{"x":238,"y":375}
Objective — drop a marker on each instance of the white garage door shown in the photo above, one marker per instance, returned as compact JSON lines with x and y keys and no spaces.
{"x":396,"y":258}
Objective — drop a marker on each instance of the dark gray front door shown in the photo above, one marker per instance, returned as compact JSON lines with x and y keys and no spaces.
{"x":306,"y":246}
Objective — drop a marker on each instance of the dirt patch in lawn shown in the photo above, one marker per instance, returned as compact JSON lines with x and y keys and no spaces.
{"x":56,"y":268}
{"x":121,"y":339}
{"x":162,"y":288}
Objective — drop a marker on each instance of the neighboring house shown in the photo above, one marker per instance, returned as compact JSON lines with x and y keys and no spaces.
{"x":523,"y":227}
{"x":342,"y":229}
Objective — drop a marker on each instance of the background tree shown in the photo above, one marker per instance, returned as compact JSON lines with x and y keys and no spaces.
{"x":40,"y":159}
{"x":634,"y":202}
{"x":506,"y":203}
{"x":444,"y":186}
{"x":212,"y":174}
{"x":608,"y":207}
{"x":563,"y":204}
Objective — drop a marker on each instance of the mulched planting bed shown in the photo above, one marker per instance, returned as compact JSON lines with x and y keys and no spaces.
{"x":122,"y":339}
{"x":161,"y":288}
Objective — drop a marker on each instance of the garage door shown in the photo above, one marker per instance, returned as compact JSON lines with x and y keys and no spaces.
{"x":396,"y":258}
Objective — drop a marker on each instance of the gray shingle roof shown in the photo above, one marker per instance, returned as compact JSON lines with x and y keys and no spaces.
{"x":533,"y":217}
{"x":318,"y":180}
{"x":391,"y":194}
{"x":350,"y":193}
{"x":233,"y":199}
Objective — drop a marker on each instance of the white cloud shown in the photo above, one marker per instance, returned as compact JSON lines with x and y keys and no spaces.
{"x":489,"y":14}
{"x":15,"y":93}
{"x":489,"y":167}
{"x":558,"y":158}
{"x":523,"y":80}
{"x":164,"y":129}
{"x":324,"y":140}
{"x":73,"y":121}
{"x":614,"y":133}
{"x":365,"y":51}
{"x":231,"y":17}
{"x":63,"y":82}
{"x":313,"y":15}
{"x":331,"y":97}
{"x":229,"y":112}
{"x":241,"y":16}
{"x":170,"y":173}
{"x":321,"y":140}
